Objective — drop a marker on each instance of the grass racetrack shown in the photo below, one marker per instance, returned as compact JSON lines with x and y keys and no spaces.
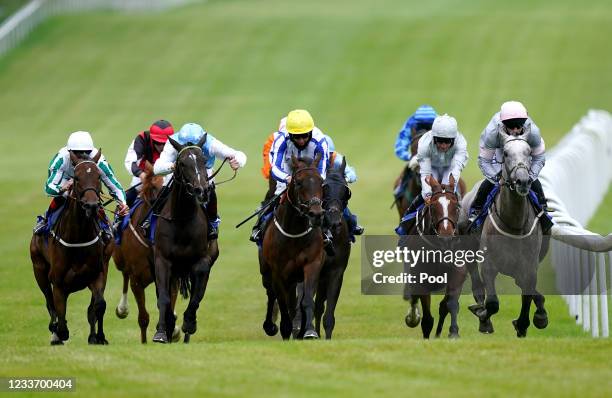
{"x":237,"y":67}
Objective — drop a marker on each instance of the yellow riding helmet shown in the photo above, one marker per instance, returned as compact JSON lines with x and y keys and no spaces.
{"x":299,"y":121}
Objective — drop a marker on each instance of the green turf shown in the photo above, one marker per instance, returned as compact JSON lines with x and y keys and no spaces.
{"x":237,"y":67}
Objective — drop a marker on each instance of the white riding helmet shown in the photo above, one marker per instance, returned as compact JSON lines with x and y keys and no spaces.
{"x":444,"y":126}
{"x":80,"y":141}
{"x":512,"y":110}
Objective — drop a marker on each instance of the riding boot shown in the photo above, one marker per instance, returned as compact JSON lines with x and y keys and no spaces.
{"x":407,"y":225}
{"x":480,"y":199}
{"x":41,"y":222}
{"x":156,"y":208}
{"x":351,"y":220}
{"x":105,"y":226}
{"x":213,"y":216}
{"x":256,"y":231}
{"x":536,"y":187}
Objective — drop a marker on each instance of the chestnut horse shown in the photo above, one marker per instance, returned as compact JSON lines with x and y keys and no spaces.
{"x":292,"y":250}
{"x":438,"y":219}
{"x":75,"y":256}
{"x":134,"y":256}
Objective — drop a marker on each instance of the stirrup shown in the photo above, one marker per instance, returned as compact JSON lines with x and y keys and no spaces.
{"x":213,"y":233}
{"x":255,"y":235}
{"x":358,"y":230}
{"x":40,"y":226}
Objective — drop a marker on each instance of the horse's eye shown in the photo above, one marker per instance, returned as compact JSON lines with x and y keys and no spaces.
{"x":505,"y":153}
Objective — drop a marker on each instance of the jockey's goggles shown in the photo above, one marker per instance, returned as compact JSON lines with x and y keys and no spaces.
{"x":303,"y":136}
{"x":440,"y":140}
{"x":514,"y":123}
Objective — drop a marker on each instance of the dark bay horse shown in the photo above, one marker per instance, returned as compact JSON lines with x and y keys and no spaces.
{"x":75,"y":256}
{"x":134,"y":256}
{"x":413,"y":187}
{"x":182,"y":251}
{"x":336,"y":195}
{"x":292,"y":250}
{"x":513,"y":235}
{"x":438,"y":220}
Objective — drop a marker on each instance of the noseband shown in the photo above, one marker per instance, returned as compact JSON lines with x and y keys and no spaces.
{"x":181,"y":180}
{"x":299,"y":206}
{"x":79,"y":193}
{"x":510,"y":182}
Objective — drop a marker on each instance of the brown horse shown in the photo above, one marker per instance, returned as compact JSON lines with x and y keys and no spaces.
{"x":75,"y":256}
{"x":336,"y":195}
{"x":292,"y":250}
{"x":182,"y":251}
{"x":413,"y":187}
{"x":134,"y":256}
{"x":438,"y":218}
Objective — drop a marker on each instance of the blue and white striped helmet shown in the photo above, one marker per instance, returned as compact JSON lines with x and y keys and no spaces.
{"x":189,"y":133}
{"x":425,"y":114}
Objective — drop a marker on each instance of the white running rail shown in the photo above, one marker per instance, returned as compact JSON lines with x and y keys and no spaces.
{"x":575,"y":179}
{"x":19,"y":25}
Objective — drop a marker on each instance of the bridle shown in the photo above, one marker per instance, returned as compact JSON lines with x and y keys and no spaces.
{"x":78,"y":193}
{"x":180,"y":179}
{"x":302,"y":207}
{"x":510,"y":183}
{"x":433,"y":224}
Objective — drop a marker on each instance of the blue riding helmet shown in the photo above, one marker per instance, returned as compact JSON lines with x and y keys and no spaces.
{"x":424,"y":114}
{"x":190,"y":132}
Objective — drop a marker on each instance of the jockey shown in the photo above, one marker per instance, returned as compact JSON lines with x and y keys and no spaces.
{"x":514,"y":120}
{"x":442,"y":152}
{"x":60,"y":181}
{"x":420,"y":121}
{"x":147,"y":146}
{"x":299,"y":137}
{"x":190,"y":134}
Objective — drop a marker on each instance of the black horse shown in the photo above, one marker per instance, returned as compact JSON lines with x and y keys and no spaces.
{"x":336,"y":195}
{"x":183,"y":254}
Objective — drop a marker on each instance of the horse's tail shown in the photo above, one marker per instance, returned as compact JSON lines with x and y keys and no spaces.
{"x":184,"y":286}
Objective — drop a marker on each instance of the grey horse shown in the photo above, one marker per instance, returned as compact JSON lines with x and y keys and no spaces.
{"x":512,"y":239}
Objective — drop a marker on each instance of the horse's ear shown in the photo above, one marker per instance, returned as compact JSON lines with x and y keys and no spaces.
{"x":98,"y":155}
{"x":73,"y":158}
{"x":148,"y":167}
{"x":317,"y":159}
{"x":202,"y":140}
{"x":294,"y":162}
{"x":432,"y":181}
{"x":343,"y":165}
{"x":451,"y":183}
{"x":175,"y":144}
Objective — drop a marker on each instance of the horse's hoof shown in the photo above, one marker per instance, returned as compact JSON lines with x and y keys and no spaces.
{"x":122,"y":313}
{"x":270,"y":328}
{"x":176,"y":335}
{"x":295,"y":333}
{"x":189,"y":327}
{"x":97,"y":340}
{"x":477,"y":309}
{"x":63,"y":334}
{"x":186,"y":338}
{"x":453,"y":333}
{"x":55,"y":340}
{"x":540,"y":320}
{"x":413,"y":319}
{"x":160,"y":337}
{"x":486,"y":327}
{"x":311,"y":335}
{"x":437,"y":336}
{"x":519,"y":332}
